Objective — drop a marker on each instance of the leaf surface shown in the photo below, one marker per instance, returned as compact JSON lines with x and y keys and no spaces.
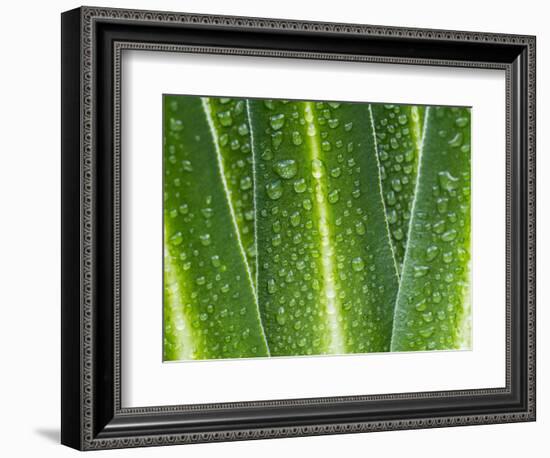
{"x":398,"y":137}
{"x":232,"y":135}
{"x":210,"y":309}
{"x":432,"y":308}
{"x":327,"y":280}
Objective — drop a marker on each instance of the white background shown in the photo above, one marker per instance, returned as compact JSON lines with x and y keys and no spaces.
{"x":148,"y":75}
{"x":30,"y":245}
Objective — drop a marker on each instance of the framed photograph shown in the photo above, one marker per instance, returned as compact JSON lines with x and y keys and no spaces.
{"x":276,"y":228}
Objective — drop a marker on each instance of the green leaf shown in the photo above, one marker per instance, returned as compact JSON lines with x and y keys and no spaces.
{"x":398,"y":136}
{"x":210,"y":309}
{"x":335,"y":218}
{"x":232,"y":135}
{"x":432,"y":308}
{"x":327,"y":280}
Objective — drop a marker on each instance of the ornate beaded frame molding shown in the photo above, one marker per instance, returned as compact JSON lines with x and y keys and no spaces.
{"x":89,"y":439}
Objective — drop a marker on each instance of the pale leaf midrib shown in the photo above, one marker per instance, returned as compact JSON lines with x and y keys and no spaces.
{"x":418,"y":134}
{"x":184,"y":338}
{"x":333,"y":312}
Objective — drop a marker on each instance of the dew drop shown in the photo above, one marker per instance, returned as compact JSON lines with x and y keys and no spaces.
{"x":174,"y":105}
{"x":427,"y":332}
{"x":421,"y":306}
{"x":447,"y":181}
{"x":333,"y":123}
{"x":317,"y":168}
{"x":461,"y":122}
{"x":277,"y":121}
{"x":392,"y":216}
{"x":432,"y":252}
{"x":357,"y":264}
{"x":274,"y":189}
{"x":398,"y":234}
{"x":246,"y":183}
{"x":439,"y":227}
{"x":267,"y":155}
{"x":420,"y":271}
{"x":215,"y":260}
{"x":276,"y":139}
{"x":396,"y":184}
{"x":176,"y":125}
{"x":207,"y":212}
{"x":442,"y":204}
{"x":205,"y":239}
{"x":456,"y":141}
{"x":297,"y":138}
{"x":243,"y":129}
{"x":177,"y":239}
{"x":271,"y":286}
{"x":280,"y":317}
{"x":308,"y":114}
{"x":390,"y":198}
{"x":295,"y":219}
{"x":300,"y":185}
{"x":286,"y":168}
{"x":333,"y":196}
{"x":276,"y":240}
{"x":427,"y":317}
{"x":225,"y":118}
{"x":449,"y":236}
{"x":336,"y":172}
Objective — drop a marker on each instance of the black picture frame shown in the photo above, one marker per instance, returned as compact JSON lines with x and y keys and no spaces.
{"x":92,"y":42}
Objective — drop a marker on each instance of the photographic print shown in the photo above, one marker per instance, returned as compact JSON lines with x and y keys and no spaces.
{"x":297,"y":227}
{"x":315,"y":219}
